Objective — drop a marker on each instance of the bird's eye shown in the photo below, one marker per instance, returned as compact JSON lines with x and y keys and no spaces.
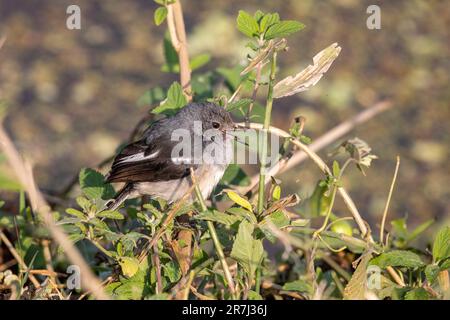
{"x":216,"y":125}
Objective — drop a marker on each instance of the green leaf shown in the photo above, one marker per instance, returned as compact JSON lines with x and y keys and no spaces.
{"x":247,"y":251}
{"x":319,"y":202}
{"x":217,"y":216}
{"x":170,"y":55}
{"x":336,"y":169}
{"x":175,"y":101}
{"x":129,"y":266}
{"x":253,"y":295}
{"x":160,"y":15}
{"x":244,"y":213}
{"x":417,"y":294}
{"x":234,"y":175}
{"x":283,"y":29}
{"x":441,"y":247}
{"x":431,"y":273}
{"x":171,"y":271}
{"x":75,"y":237}
{"x":76,"y":213}
{"x":398,"y":258}
{"x":420,"y":229}
{"x":247,"y":24}
{"x":267,"y":21}
{"x":151,"y":97}
{"x":239,"y":104}
{"x":133,"y":288}
{"x":239,"y":200}
{"x":110,"y":215}
{"x":199,"y":61}
{"x":298,"y":285}
{"x":93,"y":185}
{"x":444,"y":265}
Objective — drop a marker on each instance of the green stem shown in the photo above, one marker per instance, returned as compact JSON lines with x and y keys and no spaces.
{"x":327,"y":217}
{"x":258,"y":280}
{"x":215,"y":238}
{"x":266,"y":127}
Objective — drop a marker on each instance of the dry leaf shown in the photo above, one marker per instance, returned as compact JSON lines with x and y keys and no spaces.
{"x":309,"y":76}
{"x":356,"y":287}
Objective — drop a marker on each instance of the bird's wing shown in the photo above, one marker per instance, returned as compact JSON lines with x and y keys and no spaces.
{"x":148,"y":160}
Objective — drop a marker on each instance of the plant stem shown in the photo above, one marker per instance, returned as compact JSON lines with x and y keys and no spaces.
{"x":267,"y":118}
{"x":383,"y":220}
{"x":215,"y":238}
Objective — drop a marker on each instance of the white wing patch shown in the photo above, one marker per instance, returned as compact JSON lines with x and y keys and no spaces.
{"x":138,"y":157}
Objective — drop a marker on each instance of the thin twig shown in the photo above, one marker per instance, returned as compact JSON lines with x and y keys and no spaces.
{"x":24,"y":172}
{"x":322,"y":165}
{"x":175,"y":23}
{"x":212,"y":232}
{"x":18,"y":258}
{"x":391,"y":190}
{"x":266,"y":125}
{"x":320,"y":143}
{"x":395,"y":276}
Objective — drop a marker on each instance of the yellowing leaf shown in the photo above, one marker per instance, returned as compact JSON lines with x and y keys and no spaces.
{"x":239,"y":200}
{"x":356,"y":287}
{"x":129,"y":266}
{"x":309,"y":76}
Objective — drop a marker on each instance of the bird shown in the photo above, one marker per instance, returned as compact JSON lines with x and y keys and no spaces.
{"x":159,"y":164}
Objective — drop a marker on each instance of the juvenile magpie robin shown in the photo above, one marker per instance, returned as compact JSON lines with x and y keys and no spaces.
{"x":156,"y":166}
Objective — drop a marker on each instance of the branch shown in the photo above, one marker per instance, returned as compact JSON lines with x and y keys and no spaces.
{"x":320,"y":143}
{"x":24,"y":172}
{"x":322,"y":165}
{"x":175,"y":23}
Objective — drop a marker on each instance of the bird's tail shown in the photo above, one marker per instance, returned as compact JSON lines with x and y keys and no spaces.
{"x":120,"y":197}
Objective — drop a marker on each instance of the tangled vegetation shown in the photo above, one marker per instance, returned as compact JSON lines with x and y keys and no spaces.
{"x":251,"y":241}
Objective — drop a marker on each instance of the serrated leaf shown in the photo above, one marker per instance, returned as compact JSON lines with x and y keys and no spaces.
{"x":93,"y":184}
{"x":417,"y":294}
{"x":283,"y":29}
{"x":110,"y":215}
{"x":172,"y":271}
{"x":76,"y":213}
{"x":75,"y":237}
{"x":298,"y":285}
{"x":247,"y":24}
{"x":357,"y":286}
{"x":309,"y":77}
{"x":247,"y":250}
{"x":244,"y":213}
{"x":431,"y":273}
{"x":239,"y":200}
{"x":253,"y":295}
{"x":217,"y":216}
{"x":398,"y":258}
{"x":129,"y":266}
{"x":441,"y":246}
{"x":234,"y":175}
{"x":268,"y":20}
{"x":175,"y":101}
{"x":160,"y":15}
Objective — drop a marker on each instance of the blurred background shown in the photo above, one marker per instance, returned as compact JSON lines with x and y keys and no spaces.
{"x":72,"y":94}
